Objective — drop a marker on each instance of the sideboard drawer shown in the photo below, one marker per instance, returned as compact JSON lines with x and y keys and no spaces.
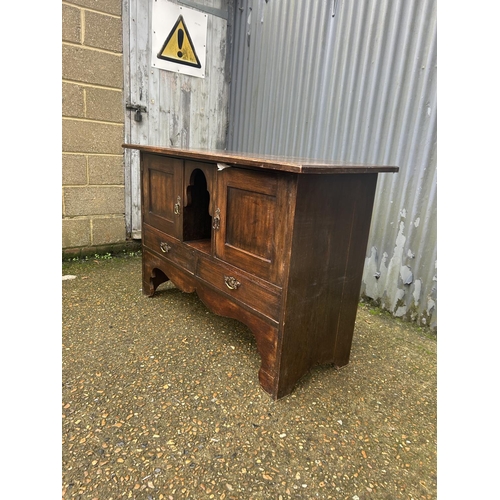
{"x":168,"y":247}
{"x":237,"y":284}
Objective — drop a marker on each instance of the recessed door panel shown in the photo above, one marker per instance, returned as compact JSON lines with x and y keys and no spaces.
{"x":250,"y":221}
{"x":162,"y":189}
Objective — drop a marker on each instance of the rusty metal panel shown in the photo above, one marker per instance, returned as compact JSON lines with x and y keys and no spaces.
{"x":354,"y":81}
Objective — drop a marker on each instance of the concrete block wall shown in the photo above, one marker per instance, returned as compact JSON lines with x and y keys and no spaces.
{"x":93,"y":191}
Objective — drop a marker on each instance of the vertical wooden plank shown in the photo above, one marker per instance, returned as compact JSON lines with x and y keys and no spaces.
{"x":173,"y":91}
{"x":140,"y":12}
{"x":218,"y":104}
{"x":153,"y":85}
{"x":195,"y":93}
{"x":360,"y":220}
{"x":128,"y":153}
{"x":332,"y":223}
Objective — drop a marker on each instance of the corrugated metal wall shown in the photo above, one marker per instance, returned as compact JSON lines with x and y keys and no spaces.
{"x":356,"y":81}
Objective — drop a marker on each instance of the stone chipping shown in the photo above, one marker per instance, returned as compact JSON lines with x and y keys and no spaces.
{"x":161,"y":400}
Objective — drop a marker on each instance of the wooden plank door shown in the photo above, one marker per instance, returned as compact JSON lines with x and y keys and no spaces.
{"x":181,"y":110}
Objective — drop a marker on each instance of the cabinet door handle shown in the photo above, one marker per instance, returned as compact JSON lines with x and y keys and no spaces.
{"x":177,"y":206}
{"x":231,"y":282}
{"x":165,"y":247}
{"x":216,"y":221}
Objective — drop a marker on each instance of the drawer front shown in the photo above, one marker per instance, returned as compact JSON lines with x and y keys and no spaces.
{"x":168,"y":247}
{"x":265,"y":299}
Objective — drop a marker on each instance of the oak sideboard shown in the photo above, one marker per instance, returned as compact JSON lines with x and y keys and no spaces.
{"x":276,"y":243}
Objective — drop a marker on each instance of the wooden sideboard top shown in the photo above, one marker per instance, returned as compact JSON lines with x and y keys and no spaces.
{"x":284,"y":164}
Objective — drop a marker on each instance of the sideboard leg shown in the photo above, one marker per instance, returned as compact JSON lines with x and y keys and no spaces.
{"x":152,"y":278}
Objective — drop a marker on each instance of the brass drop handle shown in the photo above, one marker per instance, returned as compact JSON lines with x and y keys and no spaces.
{"x":231,"y":282}
{"x":177,"y":206}
{"x":216,"y":221}
{"x":165,"y":247}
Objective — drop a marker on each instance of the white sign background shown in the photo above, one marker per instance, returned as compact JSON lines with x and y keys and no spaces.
{"x":165,"y":15}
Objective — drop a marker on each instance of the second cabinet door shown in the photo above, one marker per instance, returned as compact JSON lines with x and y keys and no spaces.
{"x":250,"y":221}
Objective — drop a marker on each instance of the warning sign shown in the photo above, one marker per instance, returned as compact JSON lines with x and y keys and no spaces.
{"x":179,"y":39}
{"x":178,"y":46}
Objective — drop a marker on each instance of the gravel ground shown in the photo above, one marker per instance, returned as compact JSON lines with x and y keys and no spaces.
{"x":161,"y":400}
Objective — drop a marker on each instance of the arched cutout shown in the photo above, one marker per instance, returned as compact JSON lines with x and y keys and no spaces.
{"x":197,"y":219}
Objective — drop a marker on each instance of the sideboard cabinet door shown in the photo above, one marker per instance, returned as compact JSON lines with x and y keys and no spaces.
{"x":162,"y":193}
{"x":250,"y":221}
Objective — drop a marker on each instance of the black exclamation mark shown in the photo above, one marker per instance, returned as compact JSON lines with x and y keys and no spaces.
{"x":180,"y":41}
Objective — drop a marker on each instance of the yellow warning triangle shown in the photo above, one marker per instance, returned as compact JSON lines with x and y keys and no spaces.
{"x":178,"y":46}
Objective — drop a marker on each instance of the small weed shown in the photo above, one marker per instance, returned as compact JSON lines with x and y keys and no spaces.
{"x":105,"y":256}
{"x":132,"y":254}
